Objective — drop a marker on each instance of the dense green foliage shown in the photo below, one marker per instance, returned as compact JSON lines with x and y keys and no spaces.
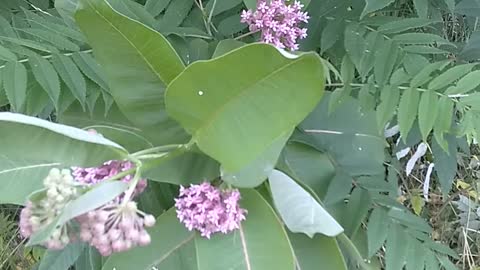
{"x":310,"y":138}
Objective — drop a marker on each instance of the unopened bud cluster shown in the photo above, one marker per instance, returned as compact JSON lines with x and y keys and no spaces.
{"x":60,"y":189}
{"x":209,"y":210}
{"x":115,"y":227}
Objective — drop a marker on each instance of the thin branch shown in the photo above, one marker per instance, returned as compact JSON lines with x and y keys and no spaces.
{"x":399,"y":87}
{"x":50,"y":56}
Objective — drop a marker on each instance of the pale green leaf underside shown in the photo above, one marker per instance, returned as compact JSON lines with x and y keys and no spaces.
{"x":298,"y":209}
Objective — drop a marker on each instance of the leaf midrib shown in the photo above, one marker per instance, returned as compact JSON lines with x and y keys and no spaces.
{"x":139,"y":52}
{"x":166,"y":255}
{"x":209,"y":121}
{"x":244,"y":248}
{"x":29,"y":167}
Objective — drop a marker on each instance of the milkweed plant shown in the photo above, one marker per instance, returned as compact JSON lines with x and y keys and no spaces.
{"x":229,"y":134}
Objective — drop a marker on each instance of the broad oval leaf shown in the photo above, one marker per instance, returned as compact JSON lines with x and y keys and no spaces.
{"x":246,"y":247}
{"x":139,"y":67}
{"x":19,"y":177}
{"x":39,"y":140}
{"x":172,"y":248}
{"x":257,"y":99}
{"x":31,"y":147}
{"x":188,"y":168}
{"x":258,"y":170}
{"x":310,"y":253}
{"x":62,"y":259}
{"x":298,"y":209}
{"x":175,"y":248}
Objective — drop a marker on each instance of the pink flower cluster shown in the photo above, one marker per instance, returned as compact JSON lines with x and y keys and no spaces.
{"x":279,"y":22}
{"x":107,"y":170}
{"x":209,"y":210}
{"x":115,"y":227}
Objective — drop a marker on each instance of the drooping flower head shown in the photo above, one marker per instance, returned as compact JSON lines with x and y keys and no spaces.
{"x":278,"y":22}
{"x":115,"y":227}
{"x":209,"y":210}
{"x":59,"y":190}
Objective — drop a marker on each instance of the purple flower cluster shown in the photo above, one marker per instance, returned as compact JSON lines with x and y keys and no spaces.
{"x":115,"y":227}
{"x":209,"y":210}
{"x":94,"y":175}
{"x":278,"y":22}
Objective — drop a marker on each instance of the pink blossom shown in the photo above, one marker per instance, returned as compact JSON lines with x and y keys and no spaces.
{"x":207,"y":209}
{"x":278,"y":22}
{"x":105,"y":171}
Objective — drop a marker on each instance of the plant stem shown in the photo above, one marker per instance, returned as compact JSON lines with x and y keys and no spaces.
{"x":163,"y":148}
{"x":180,"y":149}
{"x":50,"y":56}
{"x":399,"y":87}
{"x":246,"y":35}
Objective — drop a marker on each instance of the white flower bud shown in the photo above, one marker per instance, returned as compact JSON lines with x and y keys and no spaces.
{"x":149,"y":220}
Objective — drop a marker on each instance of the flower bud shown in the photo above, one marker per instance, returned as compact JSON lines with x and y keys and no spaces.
{"x":149,"y":221}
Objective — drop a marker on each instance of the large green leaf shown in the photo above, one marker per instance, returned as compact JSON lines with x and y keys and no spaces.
{"x":257,"y":170}
{"x":175,"y":248}
{"x":172,"y":248}
{"x":298,"y":209}
{"x":348,"y":135}
{"x":311,"y":253}
{"x":62,"y":259}
{"x":261,"y":243}
{"x":31,"y":147}
{"x":310,"y":166}
{"x":20,"y":177}
{"x":139,"y":67}
{"x":191,"y":167}
{"x":35,"y":139}
{"x":256,"y":100}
